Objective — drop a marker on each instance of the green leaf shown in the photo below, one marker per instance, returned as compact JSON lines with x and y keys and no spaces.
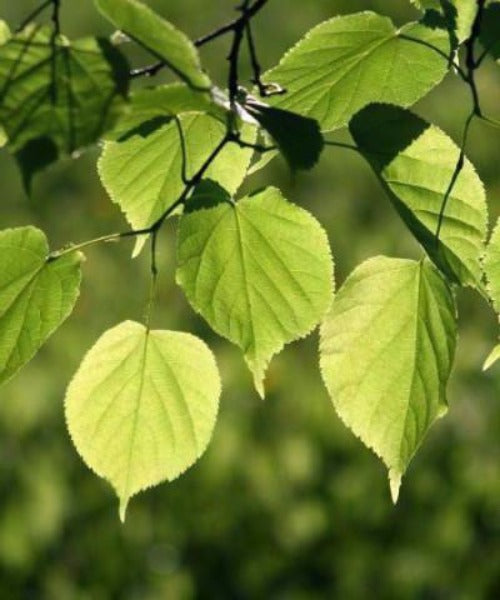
{"x":158,"y":36}
{"x":68,"y":92}
{"x":490,"y":30}
{"x":150,"y":105}
{"x":259,"y":271}
{"x":298,"y":138}
{"x":345,"y":63}
{"x":142,"y":406}
{"x":458,"y":15}
{"x":143,"y":173}
{"x":416,"y":162}
{"x":4,"y":32}
{"x":36,"y":295}
{"x":387,"y":348}
{"x":492,"y":266}
{"x":493,"y":357}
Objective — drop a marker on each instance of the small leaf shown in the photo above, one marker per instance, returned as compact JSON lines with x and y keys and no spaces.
{"x":36,"y":295}
{"x":387,"y":348}
{"x":66,"y":92}
{"x":490,"y":30}
{"x":143,"y":173}
{"x":142,"y":406}
{"x":259,"y":271}
{"x":492,"y":266}
{"x":458,"y":15}
{"x":493,"y":357}
{"x":350,"y":61}
{"x":416,"y":162}
{"x":158,"y":36}
{"x":4,"y":32}
{"x":298,"y":138}
{"x":151,"y":104}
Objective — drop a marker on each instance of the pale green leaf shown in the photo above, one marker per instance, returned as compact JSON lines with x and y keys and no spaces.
{"x":159,"y":36}
{"x":66,"y":93}
{"x":387,"y":348}
{"x":142,"y":406}
{"x":345,"y":63}
{"x":36,"y":295}
{"x":492,"y":267}
{"x":458,"y":15}
{"x":143,"y":173}
{"x":3,"y":137}
{"x":493,"y":357}
{"x":416,"y":161}
{"x":259,"y":271}
{"x":4,"y":32}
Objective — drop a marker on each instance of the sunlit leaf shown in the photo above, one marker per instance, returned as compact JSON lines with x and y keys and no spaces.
{"x":493,"y":357}
{"x":492,"y":267}
{"x":142,"y":406}
{"x":259,"y":271}
{"x":36,"y":295}
{"x":387,"y":348}
{"x":345,"y":63}
{"x":161,"y":38}
{"x":416,"y":162}
{"x":457,"y":15}
{"x":143,"y":173}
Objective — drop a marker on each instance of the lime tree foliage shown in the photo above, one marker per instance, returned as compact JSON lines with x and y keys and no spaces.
{"x":259,"y":269}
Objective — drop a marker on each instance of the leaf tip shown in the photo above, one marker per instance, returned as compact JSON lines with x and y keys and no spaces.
{"x":123,"y":508}
{"x":492,"y":358}
{"x":394,"y":484}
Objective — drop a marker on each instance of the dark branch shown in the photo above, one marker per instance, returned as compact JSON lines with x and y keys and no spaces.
{"x":33,"y":15}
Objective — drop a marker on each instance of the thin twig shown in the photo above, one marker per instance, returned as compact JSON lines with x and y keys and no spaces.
{"x":33,"y":15}
{"x":341,"y":145}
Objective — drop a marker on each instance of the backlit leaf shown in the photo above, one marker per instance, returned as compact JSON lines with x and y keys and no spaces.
{"x":36,"y":296}
{"x":142,"y":406}
{"x":259,"y":271}
{"x":387,"y":348}
{"x":345,"y":63}
{"x":416,"y":161}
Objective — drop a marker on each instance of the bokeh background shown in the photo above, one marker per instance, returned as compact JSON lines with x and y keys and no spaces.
{"x":286,"y":503}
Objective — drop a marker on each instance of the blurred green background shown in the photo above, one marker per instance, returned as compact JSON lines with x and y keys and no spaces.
{"x":286,"y":503}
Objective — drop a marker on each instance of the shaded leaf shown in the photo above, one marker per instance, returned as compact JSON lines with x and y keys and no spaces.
{"x":416,"y":162}
{"x":142,"y":406}
{"x":490,"y":30}
{"x":259,"y":271}
{"x":345,"y":63}
{"x":298,"y":138}
{"x":36,"y":296}
{"x":386,"y":353}
{"x":68,"y":92}
{"x":161,"y":38}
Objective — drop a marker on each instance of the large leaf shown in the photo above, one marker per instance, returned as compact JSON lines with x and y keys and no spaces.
{"x":36,"y":295}
{"x":63,"y":93}
{"x":143,"y":172}
{"x":387,"y":348}
{"x":142,"y":406}
{"x":345,"y":63}
{"x":416,"y":162}
{"x":259,"y":271}
{"x":492,"y":267}
{"x":157,"y":35}
{"x":457,"y":15}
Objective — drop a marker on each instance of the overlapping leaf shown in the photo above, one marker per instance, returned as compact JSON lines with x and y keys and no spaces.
{"x":259,"y":271}
{"x":387,"y":348}
{"x":458,"y":15}
{"x":345,"y":63}
{"x":36,"y":296}
{"x":157,"y":35}
{"x":58,"y":94}
{"x":416,"y":162}
{"x":142,"y":406}
{"x":143,"y":172}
